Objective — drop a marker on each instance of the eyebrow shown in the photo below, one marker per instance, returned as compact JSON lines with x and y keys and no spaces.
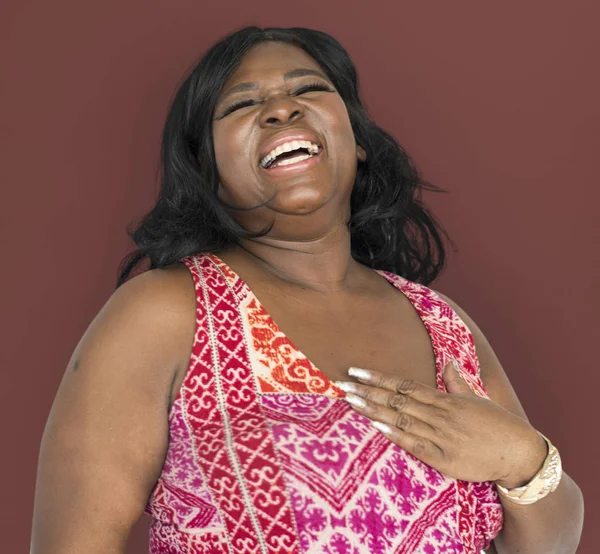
{"x":293,"y":74}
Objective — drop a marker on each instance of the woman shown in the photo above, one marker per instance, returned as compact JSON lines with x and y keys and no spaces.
{"x":219,"y":391}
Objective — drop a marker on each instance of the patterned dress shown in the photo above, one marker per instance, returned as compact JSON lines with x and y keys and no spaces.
{"x":266,"y":457}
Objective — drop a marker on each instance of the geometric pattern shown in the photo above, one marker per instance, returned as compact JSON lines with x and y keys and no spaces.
{"x":265,"y":456}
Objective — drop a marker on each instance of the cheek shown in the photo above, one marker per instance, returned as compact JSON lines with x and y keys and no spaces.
{"x":230,"y":152}
{"x":338,"y":123}
{"x":232,"y":158}
{"x":222,"y":149}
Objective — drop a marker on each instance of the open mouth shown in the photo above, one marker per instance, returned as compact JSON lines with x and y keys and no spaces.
{"x":290,"y":153}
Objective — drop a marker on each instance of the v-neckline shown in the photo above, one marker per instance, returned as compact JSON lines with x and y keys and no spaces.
{"x":242,"y":291}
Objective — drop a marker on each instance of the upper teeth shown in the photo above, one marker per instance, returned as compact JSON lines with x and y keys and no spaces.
{"x":288,"y":147}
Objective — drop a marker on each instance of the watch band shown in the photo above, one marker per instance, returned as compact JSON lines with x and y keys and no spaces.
{"x":543,"y":482}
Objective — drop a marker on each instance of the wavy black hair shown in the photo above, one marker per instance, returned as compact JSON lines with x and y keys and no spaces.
{"x":390,"y":228}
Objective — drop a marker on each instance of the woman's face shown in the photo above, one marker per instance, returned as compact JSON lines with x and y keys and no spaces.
{"x":280,"y":99}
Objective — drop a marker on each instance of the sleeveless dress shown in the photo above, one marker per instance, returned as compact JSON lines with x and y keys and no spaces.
{"x":265,"y":456}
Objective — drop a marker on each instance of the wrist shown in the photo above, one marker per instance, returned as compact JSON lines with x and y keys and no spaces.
{"x":527,"y":465}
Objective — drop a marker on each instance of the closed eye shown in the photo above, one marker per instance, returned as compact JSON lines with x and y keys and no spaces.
{"x":313,"y":86}
{"x":237,"y":106}
{"x":302,"y":90}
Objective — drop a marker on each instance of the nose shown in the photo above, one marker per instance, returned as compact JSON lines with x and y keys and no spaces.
{"x":280,"y":110}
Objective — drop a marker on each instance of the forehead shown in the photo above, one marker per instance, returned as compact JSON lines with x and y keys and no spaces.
{"x":268,"y":59}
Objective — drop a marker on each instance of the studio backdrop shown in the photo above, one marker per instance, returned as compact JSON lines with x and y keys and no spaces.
{"x":496,"y":103}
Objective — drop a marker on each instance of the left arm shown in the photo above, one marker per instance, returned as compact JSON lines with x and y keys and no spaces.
{"x":552,"y":524}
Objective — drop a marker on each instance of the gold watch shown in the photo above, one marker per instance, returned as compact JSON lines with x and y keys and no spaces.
{"x":543,"y":482}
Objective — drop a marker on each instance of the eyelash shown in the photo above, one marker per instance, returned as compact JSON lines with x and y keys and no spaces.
{"x":301,"y":90}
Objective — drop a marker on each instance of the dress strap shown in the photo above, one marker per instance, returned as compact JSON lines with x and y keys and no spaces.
{"x":232,"y":439}
{"x":449,"y":334}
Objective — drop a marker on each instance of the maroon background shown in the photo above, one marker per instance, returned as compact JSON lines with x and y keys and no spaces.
{"x":498,"y":104}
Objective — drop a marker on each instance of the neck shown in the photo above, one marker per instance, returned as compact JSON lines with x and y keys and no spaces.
{"x":321,"y":265}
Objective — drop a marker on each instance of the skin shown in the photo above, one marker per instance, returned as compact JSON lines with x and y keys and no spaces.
{"x":107,"y":434}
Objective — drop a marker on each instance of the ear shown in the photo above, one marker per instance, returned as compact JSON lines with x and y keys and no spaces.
{"x":360,"y":153}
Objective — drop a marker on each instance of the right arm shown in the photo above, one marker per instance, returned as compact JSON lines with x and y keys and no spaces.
{"x":107,"y":433}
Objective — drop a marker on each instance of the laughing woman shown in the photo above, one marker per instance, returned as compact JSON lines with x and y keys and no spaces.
{"x":282,"y":379}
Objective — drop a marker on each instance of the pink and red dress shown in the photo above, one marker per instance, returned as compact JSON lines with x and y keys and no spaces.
{"x":266,"y":457}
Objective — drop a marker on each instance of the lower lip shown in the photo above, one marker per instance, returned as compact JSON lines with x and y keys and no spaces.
{"x":309,"y":163}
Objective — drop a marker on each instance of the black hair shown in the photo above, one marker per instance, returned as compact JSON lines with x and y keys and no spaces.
{"x":390,"y":228}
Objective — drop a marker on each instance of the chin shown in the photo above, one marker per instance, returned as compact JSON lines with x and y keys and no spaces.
{"x":300,"y":200}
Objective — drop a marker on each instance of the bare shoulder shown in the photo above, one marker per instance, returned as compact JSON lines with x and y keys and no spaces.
{"x":154,"y":310}
{"x":159,"y":307}
{"x":108,"y":432}
{"x":494,"y":377}
{"x":170,"y":288}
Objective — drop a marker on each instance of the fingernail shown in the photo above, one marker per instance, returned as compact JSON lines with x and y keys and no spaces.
{"x":359,"y":373}
{"x":453,"y":362}
{"x":345,"y":386}
{"x":381,"y":426}
{"x":356,"y":401}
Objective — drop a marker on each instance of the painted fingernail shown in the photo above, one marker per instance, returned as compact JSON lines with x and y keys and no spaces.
{"x":345,"y":386}
{"x":356,"y":401}
{"x":381,"y":426}
{"x":453,"y":362}
{"x":360,"y":373}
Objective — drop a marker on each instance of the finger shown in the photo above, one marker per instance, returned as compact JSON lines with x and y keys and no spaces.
{"x":454,"y":379}
{"x":399,"y":420}
{"x":408,"y":387}
{"x":390,"y":400}
{"x":420,"y":447}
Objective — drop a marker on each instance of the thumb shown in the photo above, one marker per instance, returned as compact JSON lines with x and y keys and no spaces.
{"x":453,"y":380}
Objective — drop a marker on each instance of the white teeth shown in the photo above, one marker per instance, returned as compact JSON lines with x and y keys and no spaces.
{"x":294,"y":160}
{"x":288,"y":147}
